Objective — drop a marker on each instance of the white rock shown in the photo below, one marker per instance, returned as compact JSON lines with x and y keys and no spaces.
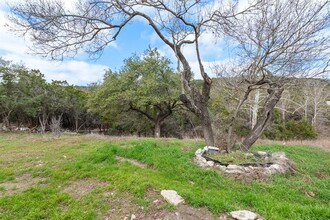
{"x":222,"y":168}
{"x":199,"y":152}
{"x":172,"y":197}
{"x":244,"y":215}
{"x":276,"y":167}
{"x":210,"y":163}
{"x":262,"y":154}
{"x":133,"y":217}
{"x":234,"y":171}
{"x":213,"y":148}
{"x":203,"y":160}
{"x":248,"y":169}
{"x":234,"y":167}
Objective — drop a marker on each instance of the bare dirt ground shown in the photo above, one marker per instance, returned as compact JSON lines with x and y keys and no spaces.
{"x":81,"y":187}
{"x":125,"y":208}
{"x":19,"y":184}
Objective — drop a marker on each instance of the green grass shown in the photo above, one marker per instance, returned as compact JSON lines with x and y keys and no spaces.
{"x":169,"y":166}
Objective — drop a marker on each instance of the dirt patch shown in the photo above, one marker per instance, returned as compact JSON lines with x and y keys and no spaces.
{"x":123,"y":207}
{"x":19,"y":184}
{"x":132,"y":161}
{"x":81,"y":187}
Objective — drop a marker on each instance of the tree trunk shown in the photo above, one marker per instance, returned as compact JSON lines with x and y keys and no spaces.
{"x":76,"y":123}
{"x":192,"y":98}
{"x":255,"y":108}
{"x":207,"y":128}
{"x":6,"y":120}
{"x":231,"y":124}
{"x":43,"y":122}
{"x":157,"y":129}
{"x":274,"y":95}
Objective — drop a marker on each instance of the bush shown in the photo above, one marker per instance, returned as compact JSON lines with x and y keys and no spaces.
{"x":299,"y":130}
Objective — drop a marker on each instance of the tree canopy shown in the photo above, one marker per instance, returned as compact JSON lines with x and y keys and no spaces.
{"x":146,"y":85}
{"x":275,"y":42}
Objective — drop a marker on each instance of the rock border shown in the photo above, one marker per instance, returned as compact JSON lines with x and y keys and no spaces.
{"x":279,"y":163}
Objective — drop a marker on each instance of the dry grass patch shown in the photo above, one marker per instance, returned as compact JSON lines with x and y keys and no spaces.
{"x":81,"y":187}
{"x":321,"y":142}
{"x":19,"y":184}
{"x":132,"y":161}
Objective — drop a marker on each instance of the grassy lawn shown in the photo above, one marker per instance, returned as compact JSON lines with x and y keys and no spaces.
{"x":79,"y":177}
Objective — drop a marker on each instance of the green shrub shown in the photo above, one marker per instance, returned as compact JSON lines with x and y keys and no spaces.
{"x":299,"y":130}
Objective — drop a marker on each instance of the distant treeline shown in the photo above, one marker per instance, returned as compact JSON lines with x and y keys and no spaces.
{"x":144,"y":99}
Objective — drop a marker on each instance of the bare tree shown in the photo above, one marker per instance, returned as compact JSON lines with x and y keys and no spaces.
{"x":58,"y":33}
{"x":286,"y":39}
{"x":55,"y":125}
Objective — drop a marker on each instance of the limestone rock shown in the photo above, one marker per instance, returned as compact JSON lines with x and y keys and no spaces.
{"x":211,"y":149}
{"x":261,"y":154}
{"x":171,"y":196}
{"x":222,"y":168}
{"x":210,"y":163}
{"x":234,"y":171}
{"x":244,"y":215}
{"x":276,"y":168}
{"x":199,"y":152}
{"x":234,"y":167}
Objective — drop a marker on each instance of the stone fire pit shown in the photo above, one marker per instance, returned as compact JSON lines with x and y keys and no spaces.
{"x":275,"y":163}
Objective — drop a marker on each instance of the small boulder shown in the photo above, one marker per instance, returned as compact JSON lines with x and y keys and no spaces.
{"x":260,"y":154}
{"x":199,"y":152}
{"x":210,"y":163}
{"x":222,"y":168}
{"x":211,"y":149}
{"x":234,"y":167}
{"x":276,"y":168}
{"x":244,"y":215}
{"x":171,"y":196}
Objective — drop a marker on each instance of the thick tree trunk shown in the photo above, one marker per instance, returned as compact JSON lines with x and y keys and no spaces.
{"x":196,"y":101}
{"x":207,"y":128}
{"x":274,"y":95}
{"x":157,"y":129}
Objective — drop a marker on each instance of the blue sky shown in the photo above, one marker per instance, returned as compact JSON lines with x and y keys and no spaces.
{"x":135,"y":38}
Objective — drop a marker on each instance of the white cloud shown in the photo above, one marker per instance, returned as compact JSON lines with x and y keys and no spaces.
{"x":80,"y":72}
{"x":74,"y":72}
